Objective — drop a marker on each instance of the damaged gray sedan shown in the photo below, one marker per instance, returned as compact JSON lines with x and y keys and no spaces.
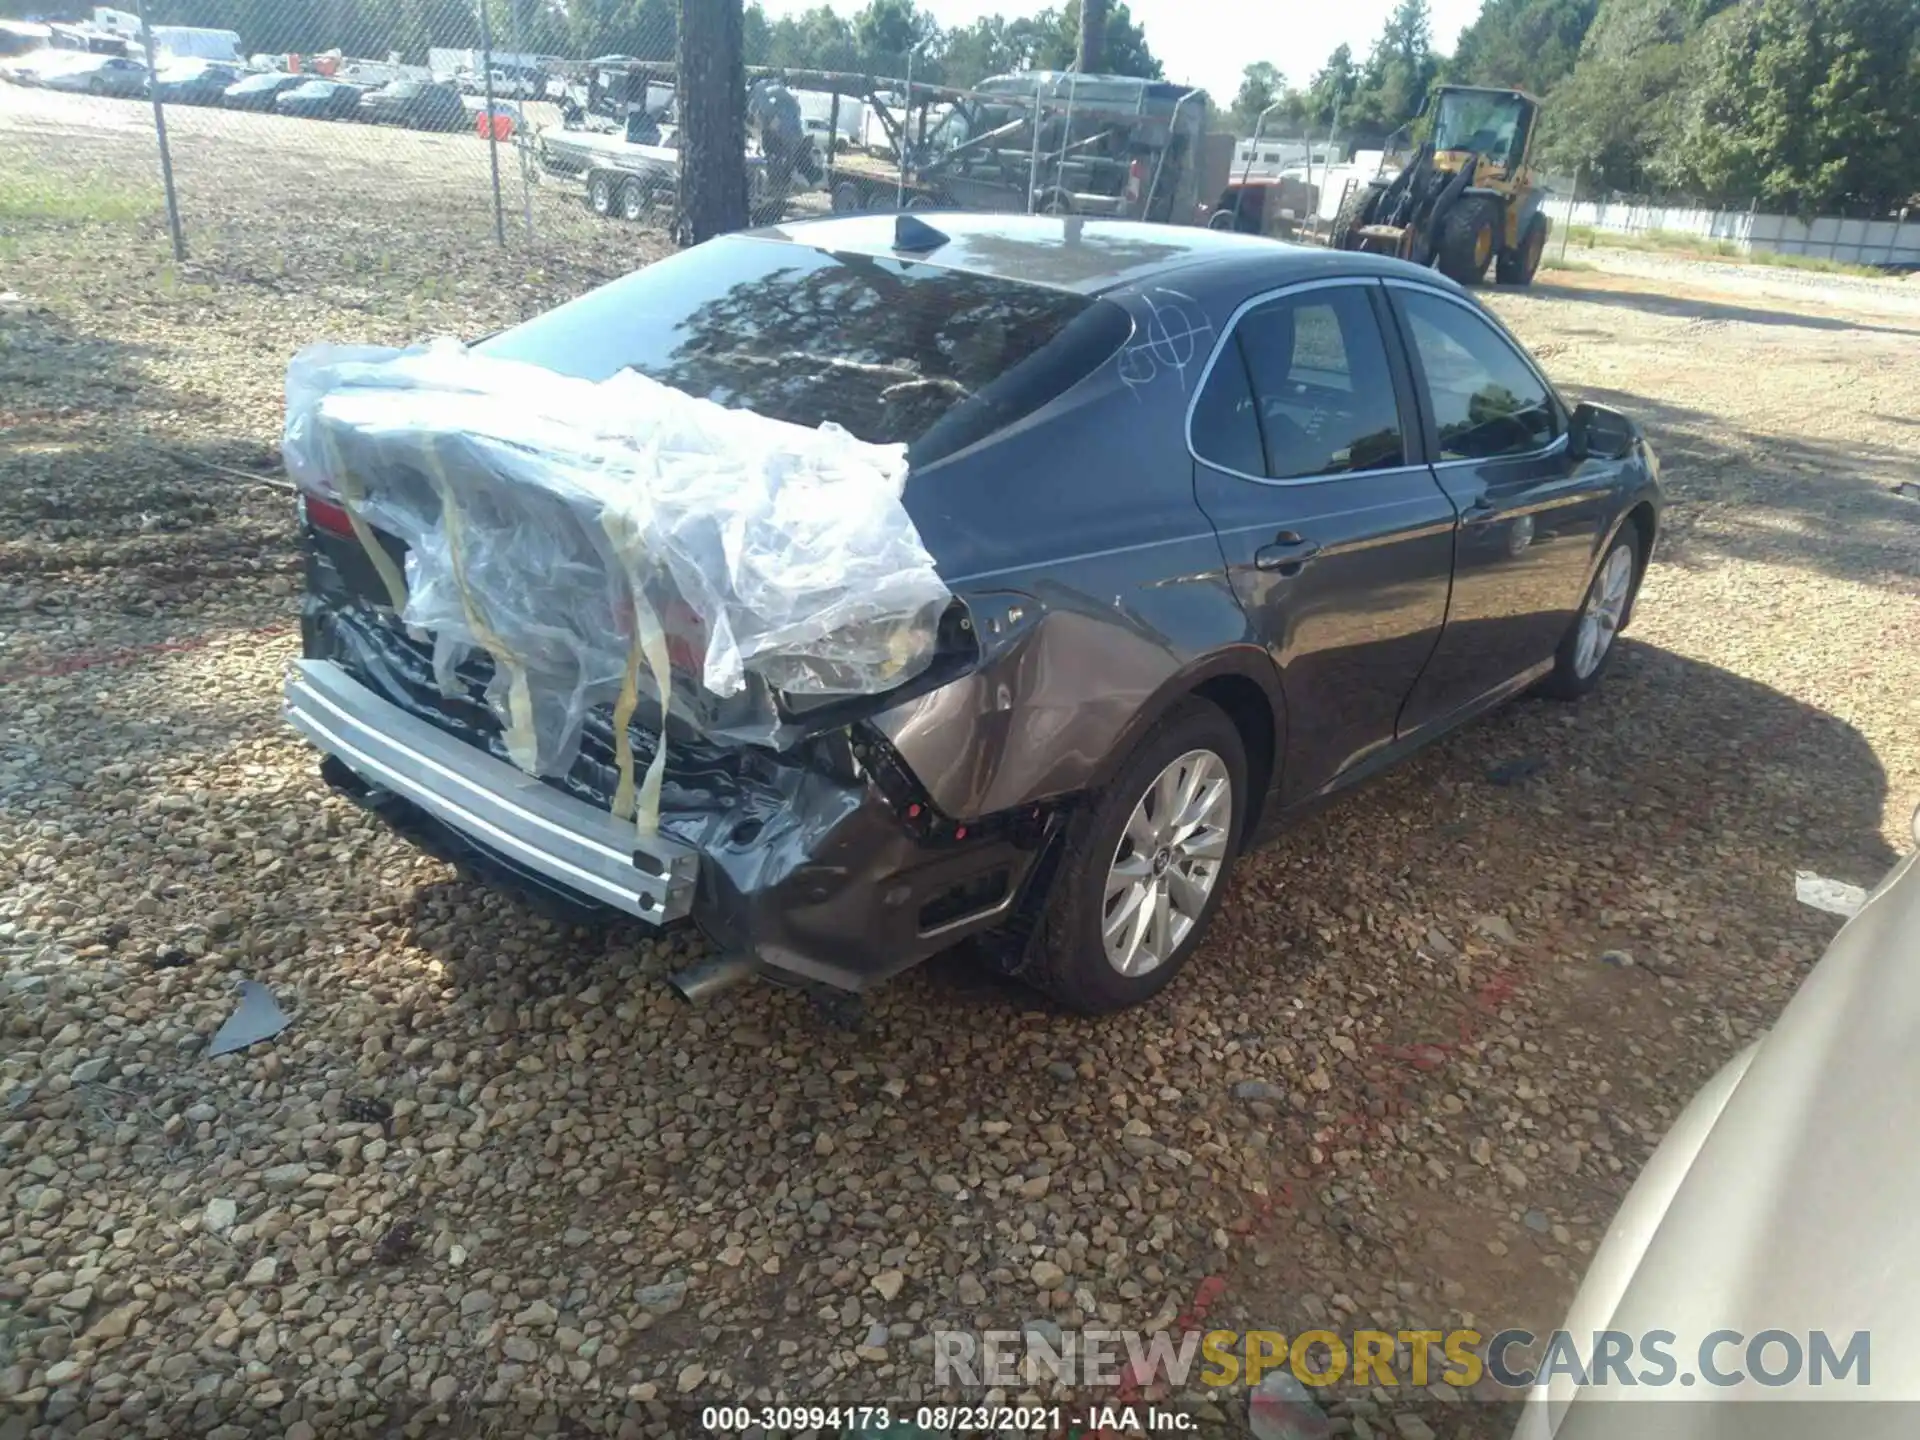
{"x":1194,"y":530}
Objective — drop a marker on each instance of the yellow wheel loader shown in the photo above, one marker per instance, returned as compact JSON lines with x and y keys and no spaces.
{"x":1456,"y":189}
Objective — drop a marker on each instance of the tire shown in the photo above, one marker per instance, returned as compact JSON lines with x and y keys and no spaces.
{"x":1607,"y":604}
{"x":1071,"y":956}
{"x":636,"y":205}
{"x":846,"y":199}
{"x":600,"y":196}
{"x":1348,"y":219}
{"x":1518,"y":267}
{"x":1467,"y":237}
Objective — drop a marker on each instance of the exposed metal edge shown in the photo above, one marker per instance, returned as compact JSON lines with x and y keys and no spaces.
{"x":535,"y":825}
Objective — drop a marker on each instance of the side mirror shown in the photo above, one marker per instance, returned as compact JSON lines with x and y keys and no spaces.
{"x":1595,"y":432}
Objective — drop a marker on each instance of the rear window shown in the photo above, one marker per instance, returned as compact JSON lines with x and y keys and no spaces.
{"x":896,"y":351}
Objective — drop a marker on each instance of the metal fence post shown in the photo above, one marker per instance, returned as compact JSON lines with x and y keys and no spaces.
{"x":1033,"y":174}
{"x":526,"y":104}
{"x":160,"y":134}
{"x":493,"y":136}
{"x":1573,"y":200}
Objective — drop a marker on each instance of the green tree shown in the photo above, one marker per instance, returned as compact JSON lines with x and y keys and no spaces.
{"x":1398,"y":73}
{"x":1123,"y":49}
{"x":1261,"y":84}
{"x":1533,"y":44}
{"x":817,"y":39}
{"x":1622,"y":101}
{"x":756,"y":35}
{"x":991,"y":45}
{"x":1331,"y":89}
{"x":887,"y":29}
{"x":1807,"y":105}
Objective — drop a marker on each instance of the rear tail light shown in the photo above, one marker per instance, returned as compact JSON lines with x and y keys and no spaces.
{"x":326,"y":515}
{"x":1136,"y":177}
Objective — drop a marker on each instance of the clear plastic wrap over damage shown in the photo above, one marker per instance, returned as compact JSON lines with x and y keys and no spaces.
{"x":595,"y":538}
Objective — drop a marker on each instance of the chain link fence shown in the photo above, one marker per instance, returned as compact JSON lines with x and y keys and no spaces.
{"x":302,"y":138}
{"x":290,"y":132}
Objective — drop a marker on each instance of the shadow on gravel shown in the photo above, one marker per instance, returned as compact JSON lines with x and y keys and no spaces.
{"x":1661,"y":820}
{"x":1824,"y":505}
{"x":1679,"y":307}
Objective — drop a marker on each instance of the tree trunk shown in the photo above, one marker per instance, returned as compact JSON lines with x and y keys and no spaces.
{"x":1093,"y":34}
{"x":712,"y":97}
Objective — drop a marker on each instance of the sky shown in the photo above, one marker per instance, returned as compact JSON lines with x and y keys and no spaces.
{"x":1209,"y":42}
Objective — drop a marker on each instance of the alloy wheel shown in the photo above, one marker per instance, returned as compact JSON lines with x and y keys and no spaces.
{"x":1606,"y":605}
{"x":1167,"y":863}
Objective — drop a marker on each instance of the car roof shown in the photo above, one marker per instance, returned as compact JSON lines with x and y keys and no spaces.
{"x":1084,"y":255}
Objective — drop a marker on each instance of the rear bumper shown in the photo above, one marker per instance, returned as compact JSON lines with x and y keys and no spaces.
{"x":826,"y":884}
{"x":529,"y":824}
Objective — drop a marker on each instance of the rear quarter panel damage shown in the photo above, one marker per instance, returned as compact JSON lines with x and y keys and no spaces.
{"x":1095,"y":582}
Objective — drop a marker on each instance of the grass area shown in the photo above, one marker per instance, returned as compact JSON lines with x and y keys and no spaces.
{"x":1554,"y":262}
{"x":1674,"y":242}
{"x":94,"y":199}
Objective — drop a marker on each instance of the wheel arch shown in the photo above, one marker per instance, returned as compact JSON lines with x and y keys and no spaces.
{"x":1645,"y":520}
{"x":1239,"y":680}
{"x":1642,"y":517}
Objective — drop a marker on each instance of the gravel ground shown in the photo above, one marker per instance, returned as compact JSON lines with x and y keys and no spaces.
{"x":492,"y":1177}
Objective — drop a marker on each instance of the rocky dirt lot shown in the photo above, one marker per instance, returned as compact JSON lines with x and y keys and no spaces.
{"x":493,"y":1178}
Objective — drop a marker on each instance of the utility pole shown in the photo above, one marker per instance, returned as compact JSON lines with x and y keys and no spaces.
{"x":1093,"y":36}
{"x":710,"y":88}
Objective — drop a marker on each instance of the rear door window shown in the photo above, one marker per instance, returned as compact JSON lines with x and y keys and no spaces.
{"x":896,"y":351}
{"x":1322,"y":390}
{"x":1224,"y":429}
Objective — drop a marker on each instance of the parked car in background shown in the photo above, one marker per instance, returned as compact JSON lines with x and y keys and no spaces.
{"x":1779,"y":1204}
{"x":196,"y":82}
{"x":1305,"y":512}
{"x":419,"y":104}
{"x":320,"y":100}
{"x":32,"y":67}
{"x":260,"y":92}
{"x":100,"y":75}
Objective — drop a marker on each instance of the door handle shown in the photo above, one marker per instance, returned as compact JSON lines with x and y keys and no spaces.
{"x":1288,"y":552}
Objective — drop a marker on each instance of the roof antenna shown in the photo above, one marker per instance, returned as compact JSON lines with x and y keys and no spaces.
{"x":916,"y":235}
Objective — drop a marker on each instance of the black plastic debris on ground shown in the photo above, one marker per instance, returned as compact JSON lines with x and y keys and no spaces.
{"x":1514,"y":772}
{"x":366,"y":1110}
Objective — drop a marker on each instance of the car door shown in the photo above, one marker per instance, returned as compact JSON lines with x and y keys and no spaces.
{"x":1337,"y":538}
{"x":1530,"y":513}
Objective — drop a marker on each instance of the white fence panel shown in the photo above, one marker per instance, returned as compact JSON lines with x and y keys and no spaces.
{"x":1831,"y":237}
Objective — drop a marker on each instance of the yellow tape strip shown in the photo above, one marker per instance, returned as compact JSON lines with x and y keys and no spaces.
{"x":650,"y":648}
{"x":523,"y":746}
{"x":622,"y":736}
{"x":654,"y":644}
{"x":353,"y":497}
